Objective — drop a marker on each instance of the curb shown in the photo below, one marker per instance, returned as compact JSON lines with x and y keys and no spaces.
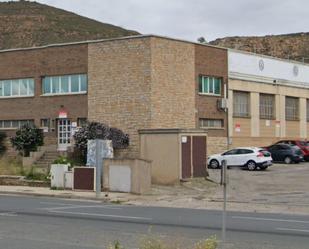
{"x":62,"y":196}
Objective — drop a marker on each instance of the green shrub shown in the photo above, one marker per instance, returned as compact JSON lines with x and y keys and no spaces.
{"x":27,"y":139}
{"x":32,"y":175}
{"x":64,"y":160}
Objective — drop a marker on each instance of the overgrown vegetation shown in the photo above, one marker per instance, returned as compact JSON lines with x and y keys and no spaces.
{"x":27,"y":139}
{"x":36,"y":176}
{"x":10,"y":166}
{"x":2,"y":146}
{"x":95,"y":130}
{"x":154,"y":242}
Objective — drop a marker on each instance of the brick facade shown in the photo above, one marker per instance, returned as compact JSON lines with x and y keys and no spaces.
{"x":145,"y":82}
{"x":36,"y":63}
{"x":211,"y":61}
{"x":141,"y":83}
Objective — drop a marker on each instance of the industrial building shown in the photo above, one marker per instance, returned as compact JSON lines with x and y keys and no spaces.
{"x":148,"y":85}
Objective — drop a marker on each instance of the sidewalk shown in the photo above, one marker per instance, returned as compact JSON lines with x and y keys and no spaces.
{"x":69,"y":194}
{"x":164,"y":196}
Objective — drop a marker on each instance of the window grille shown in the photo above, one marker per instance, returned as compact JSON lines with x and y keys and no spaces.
{"x":241,"y":104}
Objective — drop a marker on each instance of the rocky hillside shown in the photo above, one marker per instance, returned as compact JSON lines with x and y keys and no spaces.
{"x":289,"y":46}
{"x":27,"y":24}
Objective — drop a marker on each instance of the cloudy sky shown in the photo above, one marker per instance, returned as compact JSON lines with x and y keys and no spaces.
{"x":190,"y":19}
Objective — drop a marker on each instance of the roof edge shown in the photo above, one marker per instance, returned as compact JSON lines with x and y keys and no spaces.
{"x":106,"y":40}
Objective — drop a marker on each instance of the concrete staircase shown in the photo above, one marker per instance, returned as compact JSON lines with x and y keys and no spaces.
{"x":42,"y":165}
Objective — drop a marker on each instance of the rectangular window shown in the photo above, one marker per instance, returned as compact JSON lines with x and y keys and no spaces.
{"x":267,"y":106}
{"x":65,"y":84}
{"x":211,"y":123}
{"x":210,"y":85}
{"x":14,"y":124}
{"x":81,"y":122}
{"x":241,"y":104}
{"x":291,"y":108}
{"x":16,"y":88}
{"x":45,"y":122}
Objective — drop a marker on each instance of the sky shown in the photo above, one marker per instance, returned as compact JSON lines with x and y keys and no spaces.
{"x":191,"y":19}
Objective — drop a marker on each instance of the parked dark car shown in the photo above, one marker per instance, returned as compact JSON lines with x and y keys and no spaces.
{"x":286,"y":153}
{"x":302,"y":144}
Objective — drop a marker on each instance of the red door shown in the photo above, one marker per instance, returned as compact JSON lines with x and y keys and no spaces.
{"x":199,"y":156}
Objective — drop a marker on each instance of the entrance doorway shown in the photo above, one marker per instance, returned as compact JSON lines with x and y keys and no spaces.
{"x":64,"y":134}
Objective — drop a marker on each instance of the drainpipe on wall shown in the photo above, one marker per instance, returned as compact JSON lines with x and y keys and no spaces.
{"x":226,"y":110}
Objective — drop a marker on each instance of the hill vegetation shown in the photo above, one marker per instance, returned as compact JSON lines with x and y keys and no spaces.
{"x":288,"y":46}
{"x":28,"y":24}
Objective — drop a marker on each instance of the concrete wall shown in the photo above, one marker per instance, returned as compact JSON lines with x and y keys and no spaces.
{"x":164,"y":152}
{"x":247,"y":65}
{"x":260,"y":132}
{"x":140,"y":173}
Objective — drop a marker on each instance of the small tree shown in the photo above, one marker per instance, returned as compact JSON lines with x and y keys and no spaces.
{"x":27,"y":139}
{"x":95,"y":130}
{"x":2,"y":146}
{"x":201,"y":39}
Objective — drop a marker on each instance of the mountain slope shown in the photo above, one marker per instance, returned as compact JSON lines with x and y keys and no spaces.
{"x":288,"y":46}
{"x":27,"y":24}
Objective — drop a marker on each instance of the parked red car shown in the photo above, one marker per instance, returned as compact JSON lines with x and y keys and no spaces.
{"x":302,"y":144}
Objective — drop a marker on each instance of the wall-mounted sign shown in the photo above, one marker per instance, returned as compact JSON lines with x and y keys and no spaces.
{"x":267,"y":122}
{"x":261,"y":65}
{"x":278,"y":123}
{"x":237,"y":127}
{"x":74,"y":124}
{"x":62,"y":113}
{"x":184,"y":139}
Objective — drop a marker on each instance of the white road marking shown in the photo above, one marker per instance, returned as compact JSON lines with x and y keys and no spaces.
{"x":8,"y":214}
{"x":57,"y":203}
{"x":291,"y":229}
{"x":102,"y":215}
{"x":80,"y":206}
{"x":269,"y":219}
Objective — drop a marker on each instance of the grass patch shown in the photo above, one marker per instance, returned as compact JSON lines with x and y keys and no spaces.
{"x":11,"y":166}
{"x":36,"y":176}
{"x":155,"y":242}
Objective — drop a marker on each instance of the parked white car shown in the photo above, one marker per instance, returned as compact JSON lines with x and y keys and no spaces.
{"x":249,"y":157}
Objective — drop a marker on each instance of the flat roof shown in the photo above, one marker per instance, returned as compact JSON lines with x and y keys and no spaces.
{"x":106,"y":40}
{"x":146,"y":36}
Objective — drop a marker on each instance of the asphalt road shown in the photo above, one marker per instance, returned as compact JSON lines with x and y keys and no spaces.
{"x":50,"y":223}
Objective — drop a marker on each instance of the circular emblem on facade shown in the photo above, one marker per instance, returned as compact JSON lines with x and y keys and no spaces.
{"x":295,"y":70}
{"x":261,"y":65}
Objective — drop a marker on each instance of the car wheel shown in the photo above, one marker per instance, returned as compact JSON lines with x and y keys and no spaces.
{"x":214,"y":164}
{"x":263,"y":167}
{"x":287,"y":160}
{"x":251,"y":165}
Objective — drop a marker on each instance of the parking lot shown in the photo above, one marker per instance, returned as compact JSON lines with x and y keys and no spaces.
{"x":281,"y":188}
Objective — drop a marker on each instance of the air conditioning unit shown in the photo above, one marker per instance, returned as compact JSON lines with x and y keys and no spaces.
{"x":222,"y":104}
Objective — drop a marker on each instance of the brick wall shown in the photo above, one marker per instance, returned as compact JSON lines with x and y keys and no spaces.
{"x":172,"y":84}
{"x":210,"y":61}
{"x":119,"y":86}
{"x":141,"y":83}
{"x":35,"y":63}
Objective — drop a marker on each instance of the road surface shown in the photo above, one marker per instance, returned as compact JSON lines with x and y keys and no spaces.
{"x":50,"y":223}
